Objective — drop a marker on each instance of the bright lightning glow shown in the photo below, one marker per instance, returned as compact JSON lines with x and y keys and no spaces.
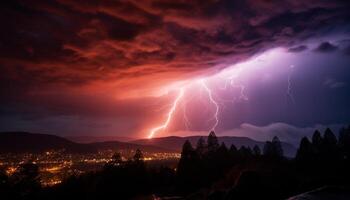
{"x":186,"y":120}
{"x":289,"y":86}
{"x":212,"y":100}
{"x":233,"y":82}
{"x":170,"y":115}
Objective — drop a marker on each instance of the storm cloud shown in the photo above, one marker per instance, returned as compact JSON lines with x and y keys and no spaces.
{"x":66,"y":58}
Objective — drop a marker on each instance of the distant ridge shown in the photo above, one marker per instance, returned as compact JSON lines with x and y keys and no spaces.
{"x":20,"y":142}
{"x":91,"y":139}
{"x":175,"y":143}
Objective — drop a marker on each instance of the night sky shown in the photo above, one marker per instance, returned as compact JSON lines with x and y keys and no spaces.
{"x":124,"y":68}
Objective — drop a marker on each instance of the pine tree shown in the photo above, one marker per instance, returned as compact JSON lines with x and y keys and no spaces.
{"x":305,"y":151}
{"x":116,"y":159}
{"x":187,"y":157}
{"x":273,"y":149}
{"x":344,"y":142}
{"x":201,"y":146}
{"x":213,"y":142}
{"x":317,"y":138}
{"x":268,"y":148}
{"x":256,"y":150}
{"x":329,"y":138}
{"x":138,"y":157}
{"x":245,"y":152}
{"x":233,"y":148}
{"x":223,"y":149}
{"x":329,"y":147}
{"x":277,"y":147}
{"x":188,"y":168}
{"x":317,"y":142}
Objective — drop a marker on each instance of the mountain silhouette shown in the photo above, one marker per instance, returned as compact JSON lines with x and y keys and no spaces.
{"x":20,"y":142}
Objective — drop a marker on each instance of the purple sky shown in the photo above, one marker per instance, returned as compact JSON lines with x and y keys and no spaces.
{"x":115,"y":68}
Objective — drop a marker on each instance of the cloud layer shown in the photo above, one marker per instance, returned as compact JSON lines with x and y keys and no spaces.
{"x":74,"y":43}
{"x":84,"y":58}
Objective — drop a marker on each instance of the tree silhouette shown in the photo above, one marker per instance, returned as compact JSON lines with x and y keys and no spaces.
{"x":201,"y":146}
{"x":223,"y":148}
{"x":116,"y":160}
{"x":317,"y":142}
{"x":329,"y":147}
{"x":317,"y":139}
{"x":233,"y":148}
{"x":329,"y":138}
{"x":187,"y":151}
{"x":222,"y":158}
{"x":223,"y":151}
{"x":305,"y":151}
{"x":344,"y":142}
{"x":245,"y":152}
{"x":273,"y":149}
{"x":213,"y":142}
{"x":256,"y":150}
{"x":138,"y":157}
{"x":277,"y":146}
{"x":268,"y":149}
{"x":187,"y":158}
{"x":187,"y":168}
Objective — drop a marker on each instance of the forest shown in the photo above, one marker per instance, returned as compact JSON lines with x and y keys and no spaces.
{"x":206,"y":170}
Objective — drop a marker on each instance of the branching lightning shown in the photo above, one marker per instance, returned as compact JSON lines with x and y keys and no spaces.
{"x":230,"y":82}
{"x":186,"y":120}
{"x":170,"y":115}
{"x":234,"y":83}
{"x":212,"y":100}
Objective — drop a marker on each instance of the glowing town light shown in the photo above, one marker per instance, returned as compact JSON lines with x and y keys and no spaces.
{"x":212,"y":100}
{"x":170,"y":115}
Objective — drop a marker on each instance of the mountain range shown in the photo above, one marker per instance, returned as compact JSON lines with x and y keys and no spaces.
{"x":18,"y":142}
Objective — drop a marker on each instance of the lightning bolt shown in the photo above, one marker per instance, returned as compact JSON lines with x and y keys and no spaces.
{"x":289,"y":85}
{"x":186,"y":120}
{"x":169,"y":117}
{"x":212,"y":100}
{"x":233,"y":82}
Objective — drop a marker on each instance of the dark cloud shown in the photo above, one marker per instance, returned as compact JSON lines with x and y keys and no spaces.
{"x":297,"y":49}
{"x":88,"y":46}
{"x":326,"y":47}
{"x":86,"y":36}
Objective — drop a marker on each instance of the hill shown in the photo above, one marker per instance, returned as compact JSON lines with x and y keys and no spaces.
{"x":103,"y":138}
{"x":20,"y":142}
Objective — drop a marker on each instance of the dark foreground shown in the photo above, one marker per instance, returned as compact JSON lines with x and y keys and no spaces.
{"x":325,"y":193}
{"x":208,"y":171}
